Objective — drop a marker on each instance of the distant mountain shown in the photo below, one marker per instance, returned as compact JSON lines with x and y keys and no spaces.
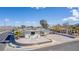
{"x":6,"y":27}
{"x":77,"y":24}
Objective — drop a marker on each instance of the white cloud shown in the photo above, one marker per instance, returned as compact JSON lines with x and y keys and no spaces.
{"x":70,"y":7}
{"x":74,"y":15}
{"x":17,"y":22}
{"x":70,"y":19}
{"x":31,"y":23}
{"x":27,"y":22}
{"x":6,"y":20}
{"x":37,"y":8}
{"x":34,"y":22}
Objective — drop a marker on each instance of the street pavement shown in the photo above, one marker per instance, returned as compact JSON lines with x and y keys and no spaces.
{"x":2,"y":46}
{"x":69,"y":46}
{"x":64,"y":44}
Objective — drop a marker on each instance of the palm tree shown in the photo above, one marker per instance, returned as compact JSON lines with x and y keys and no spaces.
{"x":44,"y":24}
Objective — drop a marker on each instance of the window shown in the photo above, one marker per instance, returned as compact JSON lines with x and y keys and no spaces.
{"x":32,"y":33}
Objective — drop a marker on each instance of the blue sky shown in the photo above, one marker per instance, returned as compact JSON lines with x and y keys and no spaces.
{"x":15,"y":16}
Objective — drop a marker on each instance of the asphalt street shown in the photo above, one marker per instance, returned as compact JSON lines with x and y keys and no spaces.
{"x":69,"y":46}
{"x":2,"y":46}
